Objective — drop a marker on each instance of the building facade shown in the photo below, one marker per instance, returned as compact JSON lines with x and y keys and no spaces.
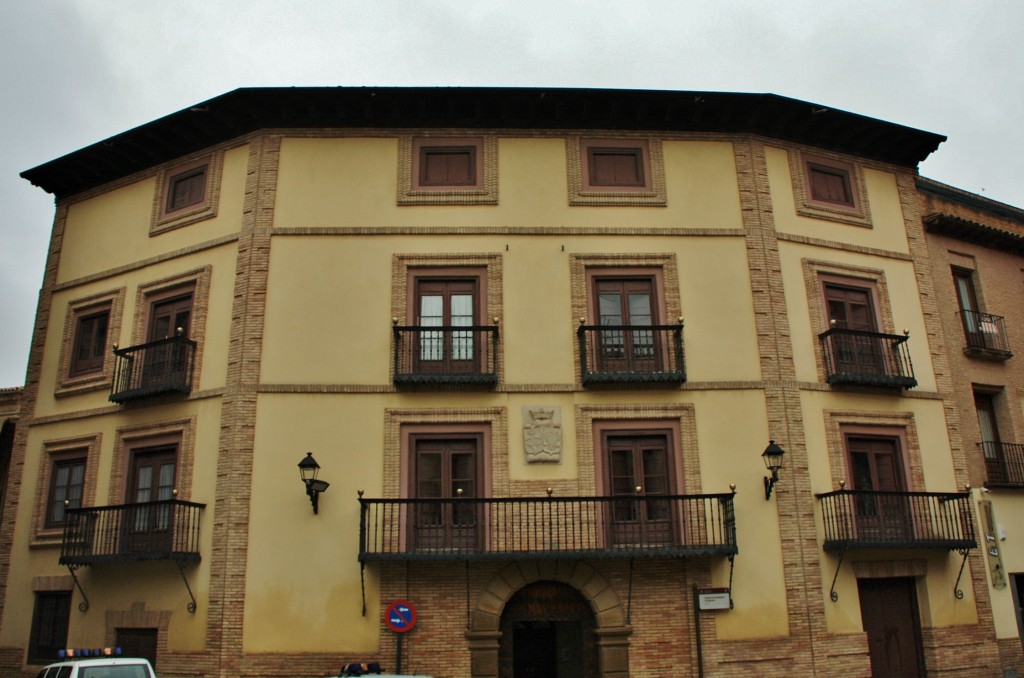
{"x":977,"y":250}
{"x":535,"y":343}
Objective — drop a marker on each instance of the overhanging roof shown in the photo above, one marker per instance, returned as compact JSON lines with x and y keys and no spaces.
{"x":248,"y":109}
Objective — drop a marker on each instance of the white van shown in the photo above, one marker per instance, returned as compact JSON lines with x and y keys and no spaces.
{"x":101,"y":667}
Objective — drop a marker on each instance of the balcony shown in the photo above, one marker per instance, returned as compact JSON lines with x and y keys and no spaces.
{"x":630,"y":354}
{"x":155,"y":368}
{"x":518,"y":528}
{"x":862,"y":519}
{"x":861,"y":358}
{"x":985,"y":335}
{"x":1004,"y":464}
{"x":159,"y":530}
{"x":446,"y":355}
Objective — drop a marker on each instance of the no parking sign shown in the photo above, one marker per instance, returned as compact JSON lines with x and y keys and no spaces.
{"x":400,"y":616}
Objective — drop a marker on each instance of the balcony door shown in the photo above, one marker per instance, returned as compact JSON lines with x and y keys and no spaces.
{"x":991,"y":445}
{"x":168,"y":363}
{"x":628,"y":302}
{"x":638,"y":518}
{"x":451,"y":303}
{"x":446,"y":473}
{"x":150,"y":529}
{"x":851,"y":308}
{"x":876,"y":467}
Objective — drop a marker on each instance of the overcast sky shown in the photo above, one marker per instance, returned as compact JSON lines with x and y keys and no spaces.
{"x":74,"y":72}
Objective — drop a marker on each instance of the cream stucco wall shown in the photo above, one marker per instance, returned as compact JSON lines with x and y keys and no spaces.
{"x":116,"y":586}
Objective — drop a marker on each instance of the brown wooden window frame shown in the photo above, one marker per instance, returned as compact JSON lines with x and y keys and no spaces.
{"x":60,"y":495}
{"x":587,"y":188}
{"x":853,"y":210}
{"x":51,"y":614}
{"x":835,"y":175}
{"x":417,"y":187}
{"x":88,"y":339}
{"x":76,"y":376}
{"x":46,"y":531}
{"x":426,"y":170}
{"x":203,"y":198}
{"x":655,"y":277}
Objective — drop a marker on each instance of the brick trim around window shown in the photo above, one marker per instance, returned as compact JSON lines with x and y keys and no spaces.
{"x":898,"y":425}
{"x":480,"y":188}
{"x":112,"y":302}
{"x":644,"y":185}
{"x":204,"y":197}
{"x":181,"y":432}
{"x":55,"y":451}
{"x":848,"y":206}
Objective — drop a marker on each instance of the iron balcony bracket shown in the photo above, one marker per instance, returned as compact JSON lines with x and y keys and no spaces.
{"x":956,"y":587}
{"x":362,"y":583}
{"x":732,"y":568}
{"x":832,"y":592}
{"x":84,"y":605}
{"x":192,"y":604}
{"x":629,"y":600}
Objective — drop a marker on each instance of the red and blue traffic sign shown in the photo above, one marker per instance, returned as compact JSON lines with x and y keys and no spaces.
{"x":400,"y":616}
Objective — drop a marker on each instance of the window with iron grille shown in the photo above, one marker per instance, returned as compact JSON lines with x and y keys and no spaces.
{"x":49,"y":633}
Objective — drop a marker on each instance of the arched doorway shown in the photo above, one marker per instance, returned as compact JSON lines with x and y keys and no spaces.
{"x":547,"y":631}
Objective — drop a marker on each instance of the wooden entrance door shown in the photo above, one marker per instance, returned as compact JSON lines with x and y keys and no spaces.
{"x":888,"y":609}
{"x":138,"y":643}
{"x":547,"y":631}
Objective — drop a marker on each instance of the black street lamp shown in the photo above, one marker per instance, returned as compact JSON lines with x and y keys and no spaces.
{"x":772,"y":456}
{"x":308,"y":470}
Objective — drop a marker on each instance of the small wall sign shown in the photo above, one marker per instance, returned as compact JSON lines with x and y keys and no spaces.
{"x":714,"y":599}
{"x":400,"y":616}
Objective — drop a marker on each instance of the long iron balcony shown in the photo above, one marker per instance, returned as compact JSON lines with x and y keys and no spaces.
{"x":543,"y":528}
{"x":897,"y":520}
{"x":858,"y":357}
{"x":155,"y":368}
{"x":445,"y":354}
{"x":1004,"y":463}
{"x":158,"y":530}
{"x":631,"y":354}
{"x":985,"y":335}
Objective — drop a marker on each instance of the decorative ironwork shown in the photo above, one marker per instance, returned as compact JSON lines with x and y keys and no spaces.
{"x":985,"y":335}
{"x":1004,"y":463}
{"x":631,"y":354}
{"x":445,"y":354}
{"x":550,"y":527}
{"x":158,"y":530}
{"x":893,"y":520}
{"x":84,"y":605}
{"x":155,"y":368}
{"x":857,"y":357}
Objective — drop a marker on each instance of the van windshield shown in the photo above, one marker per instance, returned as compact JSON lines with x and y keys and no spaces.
{"x":123,"y":671}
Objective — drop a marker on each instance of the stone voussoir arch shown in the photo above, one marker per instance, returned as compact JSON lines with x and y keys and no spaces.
{"x":611,"y":626}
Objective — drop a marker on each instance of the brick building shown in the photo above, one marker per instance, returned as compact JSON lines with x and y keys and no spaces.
{"x":977,"y":251}
{"x":537,"y":342}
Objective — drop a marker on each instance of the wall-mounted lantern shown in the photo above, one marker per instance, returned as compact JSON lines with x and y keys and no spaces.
{"x":772,"y":456}
{"x":308,"y":470}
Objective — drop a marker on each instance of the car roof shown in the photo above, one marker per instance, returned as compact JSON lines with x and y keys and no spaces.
{"x":101,"y":661}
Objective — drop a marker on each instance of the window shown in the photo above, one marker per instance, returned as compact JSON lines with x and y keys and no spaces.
{"x":626,"y":302}
{"x":90,"y":345}
{"x":447,"y":303}
{"x":168,"y":314}
{"x":67,"y":485}
{"x":187,"y":188}
{"x":445,"y":468}
{"x":151,"y":479}
{"x":829,"y":188}
{"x":187,"y":193}
{"x":996,"y":468}
{"x":91,"y":326}
{"x":448,"y":166}
{"x":447,"y":171}
{"x":49,"y":633}
{"x":856,"y":352}
{"x":829,"y":184}
{"x":638,"y":466}
{"x":850,"y":308}
{"x":876,"y":467}
{"x":615,"y":171}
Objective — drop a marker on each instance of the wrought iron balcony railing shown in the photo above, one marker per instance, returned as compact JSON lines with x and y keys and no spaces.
{"x":155,"y":368}
{"x":985,"y":334}
{"x":897,"y":520}
{"x":1004,"y":463}
{"x":158,"y":530}
{"x":446,"y":354}
{"x":551,"y":527}
{"x":631,"y":354}
{"x":865,"y":358}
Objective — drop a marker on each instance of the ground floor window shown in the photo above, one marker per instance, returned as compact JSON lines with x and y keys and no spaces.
{"x":49,"y":626}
